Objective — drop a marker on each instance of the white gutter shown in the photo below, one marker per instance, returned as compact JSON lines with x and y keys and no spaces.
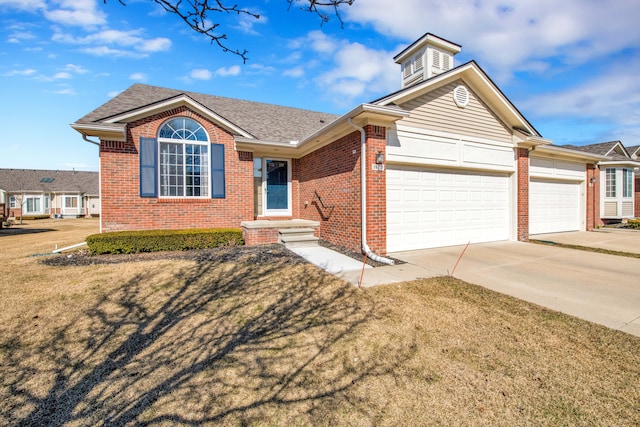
{"x":363,"y":191}
{"x":86,"y":138}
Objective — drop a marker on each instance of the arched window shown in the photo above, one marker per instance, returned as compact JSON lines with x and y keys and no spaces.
{"x":184,"y":159}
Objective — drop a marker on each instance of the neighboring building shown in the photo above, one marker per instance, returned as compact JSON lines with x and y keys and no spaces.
{"x":619,"y":195}
{"x":27,"y":192}
{"x":446,"y":160}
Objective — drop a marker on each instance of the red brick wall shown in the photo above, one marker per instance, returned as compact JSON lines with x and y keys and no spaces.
{"x":334,"y":173}
{"x":376,"y":191}
{"x":593,"y":197}
{"x":636,"y":211}
{"x":124,"y":209}
{"x":523,"y":193}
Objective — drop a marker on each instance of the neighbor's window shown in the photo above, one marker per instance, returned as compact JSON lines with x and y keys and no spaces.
{"x":70,"y":202}
{"x":184,"y":159}
{"x":33,"y":204}
{"x":627,"y":183}
{"x":610,"y":183}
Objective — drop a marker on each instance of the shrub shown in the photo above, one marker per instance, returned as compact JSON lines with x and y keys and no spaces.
{"x":634,"y":223}
{"x":129,"y":242}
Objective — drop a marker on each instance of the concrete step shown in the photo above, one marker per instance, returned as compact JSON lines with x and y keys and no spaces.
{"x":297,"y":237}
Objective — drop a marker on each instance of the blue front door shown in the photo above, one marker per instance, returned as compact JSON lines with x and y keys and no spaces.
{"x":277,"y":187}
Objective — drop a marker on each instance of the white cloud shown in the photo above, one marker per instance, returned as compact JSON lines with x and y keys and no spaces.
{"x":358,"y":72}
{"x":107,"y":51}
{"x":613,"y":97}
{"x":62,"y":75}
{"x":80,"y":13}
{"x":138,"y":77}
{"x":159,"y":44}
{"x":508,"y":38}
{"x":234,"y":70}
{"x":103,"y":40}
{"x":201,"y":74}
{"x":77,"y":69}
{"x":25,"y":5}
{"x":25,"y":72}
{"x":114,"y":93}
{"x":295,"y":72}
{"x":247,"y":24}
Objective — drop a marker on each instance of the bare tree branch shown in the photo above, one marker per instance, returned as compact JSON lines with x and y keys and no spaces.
{"x":196,"y":13}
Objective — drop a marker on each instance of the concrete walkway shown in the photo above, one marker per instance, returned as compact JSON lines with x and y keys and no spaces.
{"x":615,"y":239}
{"x":600,"y":288}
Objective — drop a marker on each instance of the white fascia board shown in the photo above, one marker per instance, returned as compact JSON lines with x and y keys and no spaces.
{"x":556,"y":151}
{"x":422,"y":42}
{"x":620,"y":163}
{"x":106,"y":131}
{"x":182,"y":100}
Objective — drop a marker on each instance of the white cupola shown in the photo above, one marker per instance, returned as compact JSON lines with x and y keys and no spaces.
{"x":428,"y":56}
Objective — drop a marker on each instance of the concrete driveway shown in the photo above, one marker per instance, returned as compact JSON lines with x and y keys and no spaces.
{"x":604,"y":289}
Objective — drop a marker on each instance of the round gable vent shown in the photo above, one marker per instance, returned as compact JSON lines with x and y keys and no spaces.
{"x":461,"y":96}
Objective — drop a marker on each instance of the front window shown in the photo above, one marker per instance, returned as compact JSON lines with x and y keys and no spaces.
{"x":184,"y":159}
{"x":13,"y":202}
{"x":627,"y":183}
{"x":70,"y":202}
{"x":33,"y":204}
{"x":610,"y":182}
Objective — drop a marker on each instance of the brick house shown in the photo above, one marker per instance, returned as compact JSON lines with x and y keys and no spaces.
{"x":445,"y":160}
{"x":39,"y":192}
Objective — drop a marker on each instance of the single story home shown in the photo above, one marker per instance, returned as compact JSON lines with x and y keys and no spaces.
{"x":54,"y":193}
{"x":620,"y":196}
{"x":447,"y":159}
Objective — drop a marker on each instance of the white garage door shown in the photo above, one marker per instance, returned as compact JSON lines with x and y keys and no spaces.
{"x":433,"y":208}
{"x":554,"y":206}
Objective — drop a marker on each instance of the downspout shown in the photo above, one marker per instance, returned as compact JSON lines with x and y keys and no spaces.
{"x":90,"y":141}
{"x":363,"y":192}
{"x":99,"y":178}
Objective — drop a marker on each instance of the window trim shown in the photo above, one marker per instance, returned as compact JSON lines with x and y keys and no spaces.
{"x":610,"y":189}
{"x":627,"y":183}
{"x":183,"y":142}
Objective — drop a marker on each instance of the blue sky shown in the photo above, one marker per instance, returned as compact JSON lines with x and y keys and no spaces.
{"x":571,"y":67}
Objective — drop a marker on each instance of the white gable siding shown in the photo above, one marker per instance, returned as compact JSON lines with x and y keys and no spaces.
{"x":438,"y":111}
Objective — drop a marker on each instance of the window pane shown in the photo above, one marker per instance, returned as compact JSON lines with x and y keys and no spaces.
{"x":610,"y":182}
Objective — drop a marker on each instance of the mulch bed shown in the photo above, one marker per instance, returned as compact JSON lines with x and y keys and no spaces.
{"x":251,"y":254}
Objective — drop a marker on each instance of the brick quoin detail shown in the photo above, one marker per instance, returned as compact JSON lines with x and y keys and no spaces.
{"x":523,"y":193}
{"x":124,"y":209}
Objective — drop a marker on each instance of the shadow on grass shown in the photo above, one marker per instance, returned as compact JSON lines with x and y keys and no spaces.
{"x":16,"y":230}
{"x":217,"y":342}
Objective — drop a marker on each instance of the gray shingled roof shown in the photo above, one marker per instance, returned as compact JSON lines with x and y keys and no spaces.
{"x":264,"y":121}
{"x":601,"y":148}
{"x":35,"y":180}
{"x":633,"y":149}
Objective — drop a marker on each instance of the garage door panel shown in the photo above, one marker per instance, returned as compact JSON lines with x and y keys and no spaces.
{"x":454,"y":207}
{"x":554,"y":206}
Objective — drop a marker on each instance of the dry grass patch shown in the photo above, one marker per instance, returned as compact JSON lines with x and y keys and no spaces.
{"x":274,"y":341}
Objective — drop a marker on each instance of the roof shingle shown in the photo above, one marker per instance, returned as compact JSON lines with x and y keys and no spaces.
{"x":266,"y":122}
{"x":49,"y":181}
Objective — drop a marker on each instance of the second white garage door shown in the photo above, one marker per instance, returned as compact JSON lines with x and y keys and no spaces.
{"x":554,"y":206}
{"x":432,"y":208}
